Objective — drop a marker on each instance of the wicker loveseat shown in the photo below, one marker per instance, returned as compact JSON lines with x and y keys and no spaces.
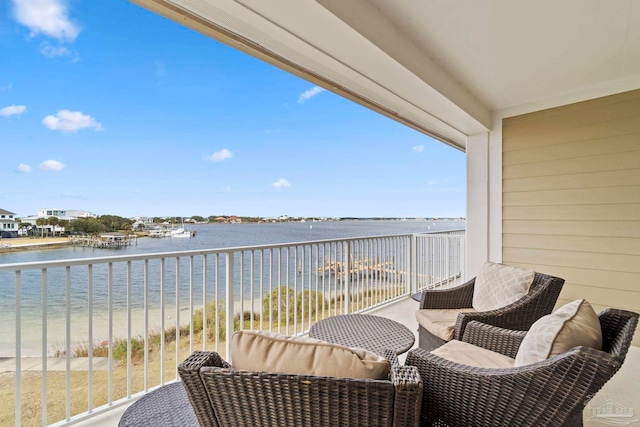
{"x":224,"y":396}
{"x":552,"y":392}
{"x":519,"y":315}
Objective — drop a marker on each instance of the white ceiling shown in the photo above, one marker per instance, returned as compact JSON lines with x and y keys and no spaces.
{"x":510,"y":53}
{"x":447,"y":68}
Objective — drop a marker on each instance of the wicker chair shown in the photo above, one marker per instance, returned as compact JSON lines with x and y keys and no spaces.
{"x":223,"y":396}
{"x":548,"y":393}
{"x":519,"y":315}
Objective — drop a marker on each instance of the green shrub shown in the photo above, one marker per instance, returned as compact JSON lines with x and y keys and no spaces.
{"x":214,"y":309}
{"x":274,"y":305}
{"x":317,"y":303}
{"x":120,"y":349}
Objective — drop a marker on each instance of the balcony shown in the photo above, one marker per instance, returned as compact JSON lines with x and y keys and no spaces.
{"x":108,"y":330}
{"x":129,"y":309}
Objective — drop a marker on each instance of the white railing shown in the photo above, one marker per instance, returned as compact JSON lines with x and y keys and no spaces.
{"x":121,"y":325}
{"x":440,"y":260}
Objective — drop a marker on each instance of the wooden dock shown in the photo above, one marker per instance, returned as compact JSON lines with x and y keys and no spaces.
{"x":105,"y":241}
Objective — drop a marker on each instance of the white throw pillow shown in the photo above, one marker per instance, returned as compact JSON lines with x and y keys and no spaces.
{"x":498,"y":285}
{"x":271,"y":352}
{"x":572,"y":325}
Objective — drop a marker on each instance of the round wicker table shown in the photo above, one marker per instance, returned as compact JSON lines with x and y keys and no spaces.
{"x":167,"y":406}
{"x":372,"y":333}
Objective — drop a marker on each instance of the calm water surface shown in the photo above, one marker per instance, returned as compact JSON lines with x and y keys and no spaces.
{"x":208,"y":237}
{"x":233,"y":235}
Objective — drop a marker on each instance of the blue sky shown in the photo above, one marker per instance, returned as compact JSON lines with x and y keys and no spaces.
{"x":109,"y":108}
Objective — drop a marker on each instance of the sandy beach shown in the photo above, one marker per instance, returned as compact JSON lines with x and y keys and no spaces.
{"x":28,"y":243}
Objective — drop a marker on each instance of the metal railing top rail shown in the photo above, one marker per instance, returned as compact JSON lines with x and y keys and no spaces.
{"x":198,"y":252}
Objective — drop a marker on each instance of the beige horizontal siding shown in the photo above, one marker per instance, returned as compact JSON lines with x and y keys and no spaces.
{"x":580,"y":118}
{"x":593,"y":147}
{"x":604,"y":162}
{"x":593,"y":212}
{"x":573,"y":228}
{"x":560,"y":258}
{"x":577,"y":196}
{"x":588,"y":244}
{"x":614,"y":178}
{"x":571,"y":198}
{"x":594,"y":104}
{"x":611,"y":280}
{"x":616,"y":128}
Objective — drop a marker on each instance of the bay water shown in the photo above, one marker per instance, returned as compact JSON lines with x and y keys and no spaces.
{"x":209,"y":236}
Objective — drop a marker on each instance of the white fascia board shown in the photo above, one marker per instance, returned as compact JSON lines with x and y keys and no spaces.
{"x":351,"y":47}
{"x":449,"y":99}
{"x":308,"y":35}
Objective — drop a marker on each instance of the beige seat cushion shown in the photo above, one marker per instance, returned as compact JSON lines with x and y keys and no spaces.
{"x":573,"y":324}
{"x":498,"y":285}
{"x":271,"y":352}
{"x":441,"y":323}
{"x":471,"y":355}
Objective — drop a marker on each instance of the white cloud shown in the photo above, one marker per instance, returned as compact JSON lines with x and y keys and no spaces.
{"x":418,"y":148}
{"x":281,"y":183}
{"x":71,"y":121}
{"x":309,"y":94}
{"x":24,"y":168}
{"x":51,"y":51}
{"x":221,"y":155}
{"x":48,"y":17}
{"x":12,"y":110}
{"x":52,"y":165}
{"x":7,"y":87}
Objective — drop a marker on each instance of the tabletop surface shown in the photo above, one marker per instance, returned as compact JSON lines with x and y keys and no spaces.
{"x":167,"y":406}
{"x":372,"y":333}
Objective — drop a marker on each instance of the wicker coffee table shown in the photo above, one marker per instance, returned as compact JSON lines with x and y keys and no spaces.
{"x":372,"y":333}
{"x":167,"y":406}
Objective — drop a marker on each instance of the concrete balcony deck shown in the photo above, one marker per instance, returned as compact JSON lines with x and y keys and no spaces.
{"x":623,"y":389}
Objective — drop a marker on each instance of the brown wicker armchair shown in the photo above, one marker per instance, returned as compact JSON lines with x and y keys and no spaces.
{"x":223,"y":396}
{"x":520,"y":315}
{"x":548,"y":393}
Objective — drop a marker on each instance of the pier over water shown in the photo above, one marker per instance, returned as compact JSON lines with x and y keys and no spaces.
{"x":106,"y":240}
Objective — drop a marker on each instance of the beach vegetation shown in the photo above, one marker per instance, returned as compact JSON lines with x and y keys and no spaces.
{"x":53,"y":221}
{"x":280,"y":304}
{"x":87,"y":226}
{"x":41,"y":222}
{"x":115,"y":223}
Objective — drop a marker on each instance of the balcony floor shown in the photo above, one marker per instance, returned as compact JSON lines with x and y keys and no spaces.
{"x":622,"y":389}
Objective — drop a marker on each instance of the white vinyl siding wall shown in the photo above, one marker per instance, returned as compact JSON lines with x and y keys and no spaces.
{"x":571,"y":198}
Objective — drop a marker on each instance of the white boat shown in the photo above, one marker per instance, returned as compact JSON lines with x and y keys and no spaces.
{"x":182,"y":232}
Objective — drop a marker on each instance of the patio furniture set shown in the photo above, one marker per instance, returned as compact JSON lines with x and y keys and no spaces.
{"x":490,"y":353}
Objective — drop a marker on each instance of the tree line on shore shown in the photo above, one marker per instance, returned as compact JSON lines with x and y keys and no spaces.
{"x":110,"y":223}
{"x":88,"y":225}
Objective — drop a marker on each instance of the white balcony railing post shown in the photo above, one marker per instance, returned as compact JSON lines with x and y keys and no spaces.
{"x":18,"y":411}
{"x":413,"y":265}
{"x":347,"y":279}
{"x":230,"y":299}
